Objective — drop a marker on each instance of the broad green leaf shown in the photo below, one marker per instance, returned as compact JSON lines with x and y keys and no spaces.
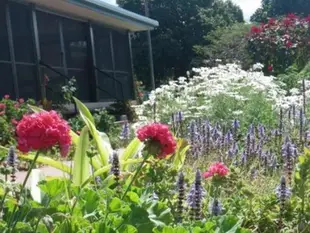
{"x":73,"y":135}
{"x":180,"y":154}
{"x":89,"y":121}
{"x":81,"y":169}
{"x":43,"y":160}
{"x":53,"y":187}
{"x":130,"y":152}
{"x":133,"y":197}
{"x":115,"y":204}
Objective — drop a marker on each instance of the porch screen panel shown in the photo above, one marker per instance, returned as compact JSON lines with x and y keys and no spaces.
{"x":21,"y":21}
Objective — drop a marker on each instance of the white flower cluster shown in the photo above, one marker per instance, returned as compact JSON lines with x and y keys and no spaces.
{"x":193,"y":96}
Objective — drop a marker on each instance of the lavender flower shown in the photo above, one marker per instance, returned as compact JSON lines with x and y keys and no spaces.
{"x":233,"y":150}
{"x":195,"y":197}
{"x":125,"y":134}
{"x":261,"y":132}
{"x":206,"y":134}
{"x":244,"y":158}
{"x":289,"y":151}
{"x":283,"y":193}
{"x":181,"y":196}
{"x":215,"y":207}
{"x":229,"y":138}
{"x":115,"y":169}
{"x":12,"y":163}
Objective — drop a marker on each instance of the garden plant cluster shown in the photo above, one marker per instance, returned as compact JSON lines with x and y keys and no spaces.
{"x":221,"y":150}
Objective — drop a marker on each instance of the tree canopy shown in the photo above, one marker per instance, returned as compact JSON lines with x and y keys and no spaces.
{"x":274,"y":8}
{"x":183,"y":24}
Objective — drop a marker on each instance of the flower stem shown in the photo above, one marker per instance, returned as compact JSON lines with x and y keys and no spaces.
{"x":21,"y":191}
{"x":135,"y":176}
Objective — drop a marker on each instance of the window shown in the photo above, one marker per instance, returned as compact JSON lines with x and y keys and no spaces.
{"x":22,"y":32}
{"x":49,"y":37}
{"x":27,"y":81}
{"x":6,"y":80}
{"x":121,"y":51}
{"x":75,"y":40}
{"x":4,"y":42}
{"x":103,"y":48}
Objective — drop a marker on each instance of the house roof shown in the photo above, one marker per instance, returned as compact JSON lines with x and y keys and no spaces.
{"x":100,"y":12}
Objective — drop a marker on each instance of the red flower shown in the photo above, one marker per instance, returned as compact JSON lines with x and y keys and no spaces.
{"x":21,"y":101}
{"x":6,"y":97}
{"x":287,"y":22}
{"x":2,"y":106}
{"x":292,"y":16}
{"x":218,"y":169}
{"x":270,"y":68}
{"x":289,"y":44}
{"x":41,"y":131}
{"x":272,"y":21}
{"x":160,"y":134}
{"x":255,"y":29}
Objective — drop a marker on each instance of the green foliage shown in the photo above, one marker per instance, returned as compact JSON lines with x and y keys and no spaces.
{"x":293,"y":76}
{"x":274,"y":8}
{"x":11,"y":112}
{"x":227,"y":44}
{"x":183,"y":24}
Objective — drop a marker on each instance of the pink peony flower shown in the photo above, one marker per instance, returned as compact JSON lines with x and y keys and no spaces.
{"x":2,"y":106}
{"x":6,"y":96}
{"x":41,"y":131}
{"x":21,"y":100}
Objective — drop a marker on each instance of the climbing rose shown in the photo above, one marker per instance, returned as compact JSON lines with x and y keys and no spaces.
{"x":6,"y":97}
{"x":41,"y":131}
{"x":218,"y":169}
{"x":21,"y":101}
{"x":158,"y":134}
{"x":270,"y":68}
{"x":2,"y":106}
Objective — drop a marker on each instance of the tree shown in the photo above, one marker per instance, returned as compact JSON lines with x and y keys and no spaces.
{"x":183,"y":24}
{"x":274,"y":8}
{"x":229,"y":44}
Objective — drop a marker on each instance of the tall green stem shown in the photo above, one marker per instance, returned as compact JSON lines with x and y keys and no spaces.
{"x":21,"y":192}
{"x":135,"y":176}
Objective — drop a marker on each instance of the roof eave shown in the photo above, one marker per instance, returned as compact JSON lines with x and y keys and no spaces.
{"x":105,"y":8}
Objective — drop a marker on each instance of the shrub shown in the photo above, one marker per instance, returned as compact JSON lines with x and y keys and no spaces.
{"x":280,"y":43}
{"x":11,"y":112}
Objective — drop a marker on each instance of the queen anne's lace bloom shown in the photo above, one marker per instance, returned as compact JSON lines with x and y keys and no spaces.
{"x":41,"y":131}
{"x":195,"y":96}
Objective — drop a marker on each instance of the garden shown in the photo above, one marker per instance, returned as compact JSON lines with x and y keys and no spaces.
{"x":222,"y":149}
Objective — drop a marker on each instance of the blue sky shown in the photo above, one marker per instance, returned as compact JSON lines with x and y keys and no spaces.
{"x":248,"y":7}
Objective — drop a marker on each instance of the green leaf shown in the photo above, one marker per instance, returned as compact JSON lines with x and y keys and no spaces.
{"x":180,"y":155}
{"x":130,"y":152}
{"x":82,"y":108}
{"x":53,"y":187}
{"x":128,"y":229}
{"x":103,"y":150}
{"x":133,"y":197}
{"x":81,"y":169}
{"x":115,"y":204}
{"x":74,"y":136}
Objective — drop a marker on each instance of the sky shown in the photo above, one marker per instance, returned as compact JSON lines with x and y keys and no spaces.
{"x":248,"y":7}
